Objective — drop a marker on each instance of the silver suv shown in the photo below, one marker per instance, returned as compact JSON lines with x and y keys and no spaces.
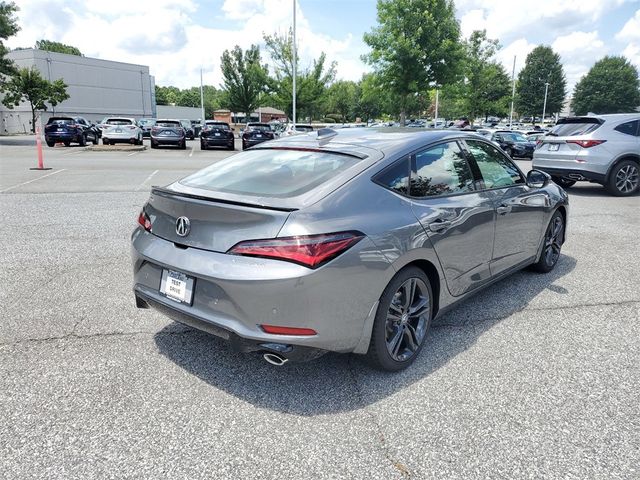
{"x":604,"y":149}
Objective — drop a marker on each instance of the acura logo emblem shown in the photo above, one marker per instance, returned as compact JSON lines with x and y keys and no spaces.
{"x":183,"y":226}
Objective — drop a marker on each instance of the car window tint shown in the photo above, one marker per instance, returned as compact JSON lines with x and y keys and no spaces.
{"x":497,"y":170}
{"x":395,"y":177}
{"x":441,"y":170}
{"x":271,"y":173}
{"x":629,"y":128}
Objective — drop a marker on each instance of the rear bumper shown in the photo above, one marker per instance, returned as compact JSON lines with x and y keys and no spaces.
{"x":61,"y":137}
{"x":251,"y":142}
{"x":217,"y":141}
{"x":119,"y":137}
{"x":168,"y":140}
{"x":573,"y":174}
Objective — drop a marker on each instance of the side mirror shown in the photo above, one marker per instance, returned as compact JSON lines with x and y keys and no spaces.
{"x":537,"y":179}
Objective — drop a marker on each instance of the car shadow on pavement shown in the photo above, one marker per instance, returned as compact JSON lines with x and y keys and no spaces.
{"x":337,"y":383}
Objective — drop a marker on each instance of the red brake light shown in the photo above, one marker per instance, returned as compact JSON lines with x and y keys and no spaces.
{"x":276,"y":330}
{"x":144,"y":221}
{"x":586,"y":143}
{"x":308,"y":250}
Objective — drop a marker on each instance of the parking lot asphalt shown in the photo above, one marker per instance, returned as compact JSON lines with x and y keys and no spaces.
{"x":536,"y":377}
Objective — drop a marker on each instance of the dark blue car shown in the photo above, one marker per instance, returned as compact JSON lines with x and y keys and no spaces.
{"x":69,"y":130}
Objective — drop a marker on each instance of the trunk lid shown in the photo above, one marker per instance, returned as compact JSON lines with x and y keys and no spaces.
{"x":215,"y":224}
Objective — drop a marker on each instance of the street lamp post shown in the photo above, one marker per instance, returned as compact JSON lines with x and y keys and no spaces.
{"x":294,"y":65}
{"x":544,"y":108}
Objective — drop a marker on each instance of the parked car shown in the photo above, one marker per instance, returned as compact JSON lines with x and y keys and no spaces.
{"x":188,"y":129}
{"x":514,"y":143}
{"x":603,"y":149}
{"x":168,"y":132}
{"x":535,"y":137}
{"x":353,"y":240}
{"x":68,"y":130}
{"x":121,"y":130}
{"x":196,"y":125}
{"x":216,"y":134}
{"x":146,"y":124}
{"x":300,"y":128}
{"x":256,"y":133}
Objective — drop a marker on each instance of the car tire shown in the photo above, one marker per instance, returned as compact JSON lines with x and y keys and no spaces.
{"x":563,"y":182}
{"x":402,"y":321}
{"x":51,"y":143}
{"x":154,"y":144}
{"x":67,"y":143}
{"x":232,"y":146}
{"x":105,"y":141}
{"x":82,"y":141}
{"x":624,"y":179}
{"x":509,"y":152}
{"x":551,"y":244}
{"x":183,"y":145}
{"x":95,"y":139}
{"x":203,"y":146}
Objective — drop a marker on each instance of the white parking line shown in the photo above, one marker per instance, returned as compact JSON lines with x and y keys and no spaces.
{"x":191,"y":152}
{"x":146,"y":180}
{"x":134,"y":153}
{"x":32,"y":180}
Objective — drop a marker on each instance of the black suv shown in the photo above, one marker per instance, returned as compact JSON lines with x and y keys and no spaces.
{"x":70,"y":130}
{"x":256,"y":133}
{"x":216,"y":134}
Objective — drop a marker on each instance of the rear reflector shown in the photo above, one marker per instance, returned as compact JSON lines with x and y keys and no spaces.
{"x":275,"y":330}
{"x":308,"y":250}
{"x":144,"y":221}
{"x":586,"y":143}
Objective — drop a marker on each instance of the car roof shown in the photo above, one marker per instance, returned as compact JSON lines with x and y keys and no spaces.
{"x":608,"y":116}
{"x":167,"y":120}
{"x":389,"y":141}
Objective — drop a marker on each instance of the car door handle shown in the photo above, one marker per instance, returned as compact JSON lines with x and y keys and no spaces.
{"x":439,"y":225}
{"x":503,"y":209}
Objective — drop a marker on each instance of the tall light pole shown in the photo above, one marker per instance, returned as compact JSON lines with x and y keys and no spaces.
{"x":294,"y":65}
{"x":513,"y":91}
{"x":435,"y":123}
{"x":201,"y":99}
{"x":544,"y":108}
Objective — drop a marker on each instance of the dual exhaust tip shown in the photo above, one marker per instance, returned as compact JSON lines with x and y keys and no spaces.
{"x":275,"y":359}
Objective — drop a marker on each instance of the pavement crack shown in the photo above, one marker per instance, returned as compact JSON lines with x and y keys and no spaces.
{"x":396,"y":464}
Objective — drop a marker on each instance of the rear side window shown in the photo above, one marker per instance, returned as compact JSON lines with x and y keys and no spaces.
{"x":497,"y":170}
{"x":441,"y":170}
{"x":395,"y":177}
{"x":629,"y":128}
{"x":271,"y":172}
{"x":571,"y":127}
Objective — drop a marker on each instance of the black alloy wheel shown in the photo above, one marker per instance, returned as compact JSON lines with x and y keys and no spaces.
{"x":624,"y":179}
{"x":552,"y":244}
{"x":402,"y":321}
{"x":563,"y":182}
{"x":67,"y":143}
{"x":83,"y":140}
{"x":51,"y":143}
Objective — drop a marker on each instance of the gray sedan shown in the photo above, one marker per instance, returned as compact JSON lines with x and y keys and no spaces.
{"x":345,"y":241}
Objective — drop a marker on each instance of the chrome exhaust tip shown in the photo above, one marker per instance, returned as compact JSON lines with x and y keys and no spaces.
{"x":275,"y":359}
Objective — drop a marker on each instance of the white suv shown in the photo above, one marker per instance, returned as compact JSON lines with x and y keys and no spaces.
{"x":604,"y":149}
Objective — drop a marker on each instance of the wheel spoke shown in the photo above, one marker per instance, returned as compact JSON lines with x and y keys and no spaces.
{"x":396,"y":341}
{"x":420,"y":308}
{"x":412,"y":340}
{"x":393,"y":317}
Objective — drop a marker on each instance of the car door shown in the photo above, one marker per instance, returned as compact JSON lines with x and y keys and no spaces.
{"x":519,"y":208}
{"x":458,"y":219}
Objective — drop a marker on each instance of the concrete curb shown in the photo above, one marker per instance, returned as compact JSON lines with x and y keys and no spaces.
{"x":116,"y":148}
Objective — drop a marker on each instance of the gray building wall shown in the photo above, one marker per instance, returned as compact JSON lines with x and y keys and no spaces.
{"x":96,"y":88}
{"x":171,"y":111}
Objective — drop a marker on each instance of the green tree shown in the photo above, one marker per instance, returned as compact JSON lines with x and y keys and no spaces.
{"x":341,"y":98}
{"x":541,"y":66}
{"x":58,"y":47}
{"x":28,"y":85}
{"x":611,"y":86}
{"x":415,"y":45}
{"x":244,"y":79}
{"x":372,"y":99}
{"x":311,"y":81}
{"x":8,"y":28}
{"x":167,"y":95}
{"x":189,"y":97}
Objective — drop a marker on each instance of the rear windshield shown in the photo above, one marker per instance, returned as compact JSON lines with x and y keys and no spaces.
{"x":146,"y":122}
{"x":221,"y":126}
{"x":118,"y":121}
{"x":259,"y":126}
{"x":571,"y":127}
{"x":64,"y":120}
{"x":304,"y":128}
{"x":167,"y":123}
{"x":271,"y":172}
{"x":513,"y":137}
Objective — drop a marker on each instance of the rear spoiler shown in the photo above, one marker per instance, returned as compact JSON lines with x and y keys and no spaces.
{"x":165,"y":192}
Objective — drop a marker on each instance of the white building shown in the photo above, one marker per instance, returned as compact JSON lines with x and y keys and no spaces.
{"x":96,"y":88}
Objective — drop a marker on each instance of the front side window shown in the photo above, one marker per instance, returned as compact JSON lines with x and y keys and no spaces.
{"x":497,"y":170}
{"x":629,"y":128}
{"x":441,"y":170}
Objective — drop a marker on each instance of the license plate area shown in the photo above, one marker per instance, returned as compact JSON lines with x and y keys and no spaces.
{"x":177,"y":286}
{"x":554,"y":147}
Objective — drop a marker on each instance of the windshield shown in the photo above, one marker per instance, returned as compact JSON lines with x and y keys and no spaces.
{"x":514,"y":137}
{"x":574,"y":126}
{"x":221,"y":126}
{"x":271,"y":172}
{"x":304,"y":128}
{"x":61,"y":120}
{"x":119,"y":121}
{"x":259,"y":126}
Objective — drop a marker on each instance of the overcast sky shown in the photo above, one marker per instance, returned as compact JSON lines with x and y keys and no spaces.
{"x":176,"y":38}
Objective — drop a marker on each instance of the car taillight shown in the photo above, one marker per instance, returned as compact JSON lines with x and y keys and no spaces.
{"x":144,"y":221}
{"x":308,"y":250}
{"x":277,"y":330}
{"x":587,"y":143}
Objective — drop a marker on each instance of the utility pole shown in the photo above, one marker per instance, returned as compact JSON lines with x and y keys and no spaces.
{"x":435,"y":122}
{"x":544,"y":108}
{"x":294,"y":65}
{"x":201,"y":99}
{"x":513,"y":91}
